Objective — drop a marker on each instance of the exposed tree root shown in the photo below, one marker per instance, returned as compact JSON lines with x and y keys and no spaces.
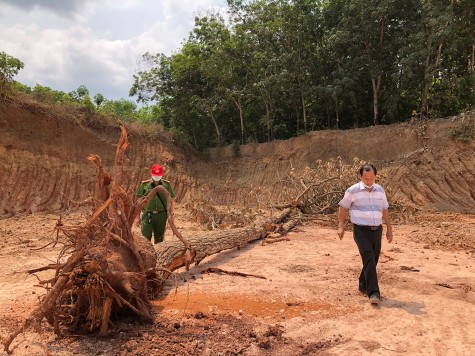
{"x":109,"y":270}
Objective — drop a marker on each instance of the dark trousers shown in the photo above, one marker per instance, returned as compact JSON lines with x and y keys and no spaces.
{"x":369,"y":245}
{"x":155,"y":223}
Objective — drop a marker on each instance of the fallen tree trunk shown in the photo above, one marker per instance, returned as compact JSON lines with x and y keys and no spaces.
{"x":170,"y":254}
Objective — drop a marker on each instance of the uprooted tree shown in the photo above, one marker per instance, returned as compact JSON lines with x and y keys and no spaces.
{"x":110,"y":271}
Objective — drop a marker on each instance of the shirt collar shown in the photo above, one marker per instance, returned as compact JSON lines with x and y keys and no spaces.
{"x":362,"y":187}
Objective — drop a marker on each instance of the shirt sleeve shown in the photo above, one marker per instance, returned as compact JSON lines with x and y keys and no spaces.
{"x":140,"y":191}
{"x":347,"y":200}
{"x":168,"y":187}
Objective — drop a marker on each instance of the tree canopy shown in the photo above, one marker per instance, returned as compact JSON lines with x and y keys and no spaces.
{"x":279,"y":68}
{"x":274,"y":69}
{"x":9,"y":68}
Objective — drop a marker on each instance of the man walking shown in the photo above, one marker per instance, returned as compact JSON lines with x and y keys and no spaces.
{"x":154,"y":214}
{"x":368,"y":207}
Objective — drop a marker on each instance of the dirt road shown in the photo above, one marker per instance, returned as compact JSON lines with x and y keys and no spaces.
{"x":308,"y":303}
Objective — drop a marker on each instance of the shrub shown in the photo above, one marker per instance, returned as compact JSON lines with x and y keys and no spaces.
{"x":464,"y":132}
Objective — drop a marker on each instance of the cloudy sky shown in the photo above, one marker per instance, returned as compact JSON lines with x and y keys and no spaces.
{"x":67,"y":43}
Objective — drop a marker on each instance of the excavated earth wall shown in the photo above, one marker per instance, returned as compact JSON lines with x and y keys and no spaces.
{"x":44,"y":166}
{"x":423,"y":165}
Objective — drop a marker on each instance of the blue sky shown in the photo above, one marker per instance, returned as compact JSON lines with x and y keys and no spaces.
{"x":67,"y":43}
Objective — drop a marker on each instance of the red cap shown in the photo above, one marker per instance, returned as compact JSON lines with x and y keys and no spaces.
{"x":156,"y":170}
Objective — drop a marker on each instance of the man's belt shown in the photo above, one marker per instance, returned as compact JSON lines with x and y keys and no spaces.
{"x":155,"y":211}
{"x":369,"y":227}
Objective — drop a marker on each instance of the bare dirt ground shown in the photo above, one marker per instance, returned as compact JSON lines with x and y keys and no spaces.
{"x":307,"y":302}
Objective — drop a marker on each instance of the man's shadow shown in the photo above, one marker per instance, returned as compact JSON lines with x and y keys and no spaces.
{"x":414,"y":308}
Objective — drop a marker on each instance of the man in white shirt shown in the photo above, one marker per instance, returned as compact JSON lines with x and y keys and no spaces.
{"x":368,"y":207}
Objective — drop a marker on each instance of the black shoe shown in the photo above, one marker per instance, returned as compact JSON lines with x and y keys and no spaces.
{"x":374,"y":299}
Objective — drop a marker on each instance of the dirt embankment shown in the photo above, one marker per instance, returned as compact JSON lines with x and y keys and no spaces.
{"x":422,"y":165}
{"x":44,"y":167}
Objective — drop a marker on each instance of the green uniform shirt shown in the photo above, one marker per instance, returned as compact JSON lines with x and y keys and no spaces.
{"x":155,"y":204}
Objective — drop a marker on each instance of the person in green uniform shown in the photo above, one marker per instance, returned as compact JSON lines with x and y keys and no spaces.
{"x":154,"y":214}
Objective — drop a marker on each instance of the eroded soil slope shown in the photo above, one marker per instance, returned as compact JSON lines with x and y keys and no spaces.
{"x":43,"y":158}
{"x":44,"y":167}
{"x":421,"y":165}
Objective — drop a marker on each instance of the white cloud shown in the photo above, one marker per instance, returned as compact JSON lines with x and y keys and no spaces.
{"x":182,"y":8}
{"x":98,"y":45}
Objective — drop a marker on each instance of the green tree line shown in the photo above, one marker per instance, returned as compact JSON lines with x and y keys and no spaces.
{"x":124,"y":110}
{"x":274,"y":69}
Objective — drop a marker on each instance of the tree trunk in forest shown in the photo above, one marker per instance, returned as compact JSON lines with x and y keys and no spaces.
{"x":337,"y":116}
{"x":430,"y":70}
{"x":375,"y":101}
{"x":376,"y":79}
{"x":216,"y":127}
{"x":238,"y":104}
{"x":266,"y":99}
{"x":471,"y":63}
{"x":296,"y":109}
{"x":305,"y":124}
{"x":428,"y":77}
{"x":304,"y":109}
{"x":269,"y":121}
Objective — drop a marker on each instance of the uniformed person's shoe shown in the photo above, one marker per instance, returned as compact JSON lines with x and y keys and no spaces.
{"x":374,"y":299}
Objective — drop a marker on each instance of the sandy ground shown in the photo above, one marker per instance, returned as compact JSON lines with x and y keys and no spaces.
{"x":306,"y":303}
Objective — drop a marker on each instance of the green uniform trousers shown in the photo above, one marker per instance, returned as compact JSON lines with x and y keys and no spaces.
{"x":155,"y":223}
